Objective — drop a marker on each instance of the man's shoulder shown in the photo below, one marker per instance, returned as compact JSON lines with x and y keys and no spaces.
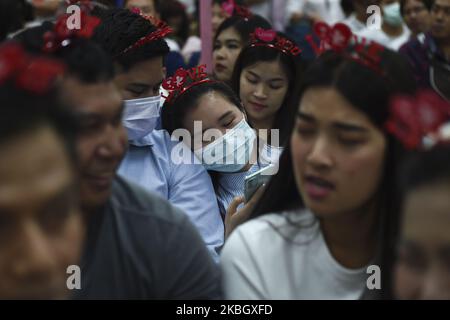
{"x":131,"y":200}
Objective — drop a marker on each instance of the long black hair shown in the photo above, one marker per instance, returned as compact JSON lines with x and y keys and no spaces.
{"x":293,"y":66}
{"x":370,"y":92}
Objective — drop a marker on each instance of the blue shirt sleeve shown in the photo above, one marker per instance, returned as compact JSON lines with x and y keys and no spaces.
{"x":191,"y":190}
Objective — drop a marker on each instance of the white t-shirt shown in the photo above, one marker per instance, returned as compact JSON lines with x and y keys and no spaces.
{"x":269,"y":258}
{"x":354,"y":24}
{"x":379,"y":36}
{"x":329,"y":10}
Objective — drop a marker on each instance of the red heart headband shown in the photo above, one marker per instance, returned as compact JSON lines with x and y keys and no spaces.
{"x":270,"y":38}
{"x":183,"y":80}
{"x":340,"y":38}
{"x":162,"y":31}
{"x":419,"y":122}
{"x":33,"y":74}
{"x":62,"y":36}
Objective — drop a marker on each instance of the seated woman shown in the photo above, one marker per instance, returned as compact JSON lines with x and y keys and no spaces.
{"x":217,"y":131}
{"x":324,"y":218}
{"x":266,"y":78}
{"x":421,"y":269}
{"x":232,"y":36}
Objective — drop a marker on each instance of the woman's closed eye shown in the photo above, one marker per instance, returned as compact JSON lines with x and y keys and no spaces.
{"x":350,"y":141}
{"x":252,"y":80}
{"x":305,"y":129}
{"x":233,"y":46}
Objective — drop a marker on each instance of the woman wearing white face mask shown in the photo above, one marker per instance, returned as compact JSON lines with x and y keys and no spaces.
{"x":392,"y":33}
{"x":219,"y":135}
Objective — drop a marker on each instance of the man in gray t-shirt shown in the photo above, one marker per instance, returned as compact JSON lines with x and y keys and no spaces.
{"x":137,"y":245}
{"x":141,"y":247}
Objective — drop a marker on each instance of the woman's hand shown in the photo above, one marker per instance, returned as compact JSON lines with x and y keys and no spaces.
{"x":235,"y":217}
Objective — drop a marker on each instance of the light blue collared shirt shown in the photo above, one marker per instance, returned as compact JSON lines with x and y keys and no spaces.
{"x":152,"y":163}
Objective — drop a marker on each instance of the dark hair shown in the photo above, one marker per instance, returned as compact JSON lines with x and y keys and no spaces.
{"x":173,"y":113}
{"x":428,"y":4}
{"x":219,"y":2}
{"x":293,"y":66}
{"x":83,"y":58}
{"x":120,"y":29}
{"x":369,"y":92}
{"x":172,"y":9}
{"x":12,"y":16}
{"x":23,"y":112}
{"x":347,"y":6}
{"x":156,"y":5}
{"x":244,"y":27}
{"x":426,"y":168}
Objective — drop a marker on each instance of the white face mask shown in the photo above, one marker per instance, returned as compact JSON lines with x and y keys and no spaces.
{"x":230,"y":152}
{"x":392,"y":14}
{"x":140,"y":116}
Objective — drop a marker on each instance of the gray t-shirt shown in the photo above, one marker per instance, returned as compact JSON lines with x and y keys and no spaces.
{"x":141,"y":247}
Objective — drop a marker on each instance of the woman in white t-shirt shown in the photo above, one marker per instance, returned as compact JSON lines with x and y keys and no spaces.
{"x":318,"y":225}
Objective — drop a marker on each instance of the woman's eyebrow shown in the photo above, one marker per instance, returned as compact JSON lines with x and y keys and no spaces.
{"x":253,"y":74}
{"x":305,"y":117}
{"x":348,"y":127}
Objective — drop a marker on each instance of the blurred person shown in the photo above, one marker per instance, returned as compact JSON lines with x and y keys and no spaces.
{"x":138,"y":246}
{"x":13,"y":16}
{"x":150,"y":8}
{"x":41,"y":229}
{"x":329,"y":11}
{"x":416,"y":14}
{"x":232,"y":36}
{"x":149,"y":161}
{"x":429,"y":54}
{"x":219,"y":14}
{"x":422,"y":249}
{"x":330,"y":210}
{"x":421,"y":269}
{"x":393,"y":33}
{"x":174,"y":13}
{"x":357,"y":20}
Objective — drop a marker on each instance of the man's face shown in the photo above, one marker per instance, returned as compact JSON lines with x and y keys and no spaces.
{"x":143,"y":80}
{"x":416,"y":16}
{"x":146,"y":6}
{"x":440,"y":19}
{"x":102,"y":141}
{"x":41,"y":230}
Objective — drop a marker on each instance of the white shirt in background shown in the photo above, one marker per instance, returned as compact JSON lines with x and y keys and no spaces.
{"x":268,"y":258}
{"x":190,"y":6}
{"x":329,"y":10}
{"x":378,"y":35}
{"x":354,"y":24}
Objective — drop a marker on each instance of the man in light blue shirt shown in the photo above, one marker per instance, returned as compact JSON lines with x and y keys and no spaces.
{"x":138,"y":49}
{"x":149,"y":163}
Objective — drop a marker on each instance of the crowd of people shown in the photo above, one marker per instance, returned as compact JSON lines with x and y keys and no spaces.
{"x":315,"y":148}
